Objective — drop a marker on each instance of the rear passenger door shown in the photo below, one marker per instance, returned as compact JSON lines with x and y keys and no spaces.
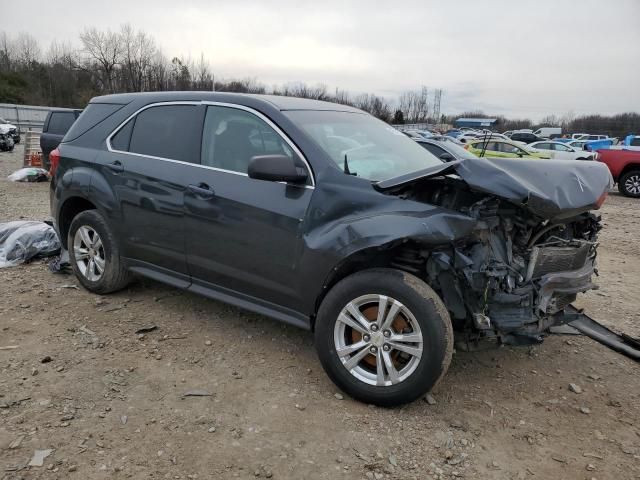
{"x":147,"y":166}
{"x":244,"y":234}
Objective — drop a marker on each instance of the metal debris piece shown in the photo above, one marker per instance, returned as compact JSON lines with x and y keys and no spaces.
{"x":196,"y":393}
{"x":147,"y":329}
{"x":38,"y":457}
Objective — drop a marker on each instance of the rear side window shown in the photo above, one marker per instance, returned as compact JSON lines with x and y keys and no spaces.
{"x":60,"y":122}
{"x":635,"y":142}
{"x":168,"y":131}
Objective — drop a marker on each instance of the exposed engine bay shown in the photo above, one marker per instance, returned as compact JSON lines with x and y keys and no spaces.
{"x":513,"y":277}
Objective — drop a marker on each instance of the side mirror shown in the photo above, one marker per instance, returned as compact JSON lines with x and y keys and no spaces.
{"x":276,"y":168}
{"x":446,"y":157}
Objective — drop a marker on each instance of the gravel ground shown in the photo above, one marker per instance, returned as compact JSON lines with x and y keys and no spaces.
{"x":110,"y":403}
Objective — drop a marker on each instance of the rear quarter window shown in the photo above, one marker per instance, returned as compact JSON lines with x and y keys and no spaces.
{"x":90,"y":117}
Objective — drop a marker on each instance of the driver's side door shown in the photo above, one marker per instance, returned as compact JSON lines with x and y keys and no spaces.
{"x":243,"y":234}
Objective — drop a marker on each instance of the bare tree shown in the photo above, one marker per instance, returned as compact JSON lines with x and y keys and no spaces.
{"x":27,"y":49}
{"x":104,"y":48}
{"x":138,"y":51}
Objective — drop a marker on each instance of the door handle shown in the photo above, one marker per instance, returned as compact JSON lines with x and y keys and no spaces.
{"x":202,"y":190}
{"x":116,"y":166}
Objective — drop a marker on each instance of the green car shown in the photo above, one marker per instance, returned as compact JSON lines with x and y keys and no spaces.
{"x":501,"y":149}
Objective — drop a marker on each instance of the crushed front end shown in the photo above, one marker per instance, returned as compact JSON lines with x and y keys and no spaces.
{"x":516,"y":274}
{"x":533,"y":249}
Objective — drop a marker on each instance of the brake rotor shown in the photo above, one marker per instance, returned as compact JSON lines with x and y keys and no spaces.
{"x":398,"y":325}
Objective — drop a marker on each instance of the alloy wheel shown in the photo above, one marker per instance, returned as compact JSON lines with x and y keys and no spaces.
{"x":89,"y":253}
{"x":632,"y":184}
{"x":378,"y":340}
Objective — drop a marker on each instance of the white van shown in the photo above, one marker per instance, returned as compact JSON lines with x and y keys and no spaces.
{"x":548,"y":132}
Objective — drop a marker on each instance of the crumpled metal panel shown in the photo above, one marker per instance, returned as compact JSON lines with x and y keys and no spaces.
{"x":552,"y":189}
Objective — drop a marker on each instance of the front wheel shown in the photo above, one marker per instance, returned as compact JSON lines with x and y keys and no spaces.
{"x":629,"y":184}
{"x":384,"y":336}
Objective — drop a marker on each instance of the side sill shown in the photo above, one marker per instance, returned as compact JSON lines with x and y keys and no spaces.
{"x":215,"y":292}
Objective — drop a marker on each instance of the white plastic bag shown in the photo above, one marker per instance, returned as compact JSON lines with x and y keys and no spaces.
{"x":29,"y":174}
{"x":22,"y":241}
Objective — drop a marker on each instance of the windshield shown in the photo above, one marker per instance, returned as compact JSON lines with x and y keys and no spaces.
{"x":374,"y":150}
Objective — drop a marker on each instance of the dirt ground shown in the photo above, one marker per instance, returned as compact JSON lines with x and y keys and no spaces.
{"x":110,"y":403}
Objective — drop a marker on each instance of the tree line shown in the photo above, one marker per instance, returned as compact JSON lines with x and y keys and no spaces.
{"x":129,"y":60}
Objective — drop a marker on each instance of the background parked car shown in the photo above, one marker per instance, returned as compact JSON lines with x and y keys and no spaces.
{"x":559,"y":150}
{"x":548,"y":132}
{"x":56,"y":125}
{"x":501,"y":148}
{"x":525,"y":137}
{"x":624,"y":166}
{"x":12,"y":129}
{"x":6,"y":140}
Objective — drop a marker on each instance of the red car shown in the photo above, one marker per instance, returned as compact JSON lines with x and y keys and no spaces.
{"x":624,"y":166}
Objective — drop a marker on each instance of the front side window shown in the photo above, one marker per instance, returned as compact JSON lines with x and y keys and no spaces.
{"x":543,"y":146}
{"x":231,"y":137}
{"x":560,"y":148}
{"x":165,"y":131}
{"x":373,"y":149}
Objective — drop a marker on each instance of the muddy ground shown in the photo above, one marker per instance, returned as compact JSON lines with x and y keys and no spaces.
{"x":110,"y":403}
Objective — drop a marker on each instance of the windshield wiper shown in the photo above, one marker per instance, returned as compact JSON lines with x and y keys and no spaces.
{"x":346,"y":167}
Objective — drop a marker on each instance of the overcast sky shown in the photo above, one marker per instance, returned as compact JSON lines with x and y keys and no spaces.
{"x":517,"y":58}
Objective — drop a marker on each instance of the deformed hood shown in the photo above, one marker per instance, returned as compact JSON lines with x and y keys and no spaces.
{"x":548,"y":188}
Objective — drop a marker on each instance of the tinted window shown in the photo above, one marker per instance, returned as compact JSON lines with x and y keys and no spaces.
{"x":635,"y":142}
{"x":543,"y":146}
{"x":90,"y":117}
{"x":60,"y":122}
{"x":232,"y":136}
{"x":168,"y":131}
{"x":120,"y":141}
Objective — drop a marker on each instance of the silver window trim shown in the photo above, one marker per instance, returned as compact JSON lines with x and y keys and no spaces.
{"x":216,"y":104}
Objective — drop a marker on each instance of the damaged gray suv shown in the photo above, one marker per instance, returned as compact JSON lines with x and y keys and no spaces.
{"x":323,"y":217}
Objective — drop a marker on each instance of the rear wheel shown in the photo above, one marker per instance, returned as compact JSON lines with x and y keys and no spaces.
{"x":629,"y":184}
{"x":384,"y":336}
{"x":94,"y":254}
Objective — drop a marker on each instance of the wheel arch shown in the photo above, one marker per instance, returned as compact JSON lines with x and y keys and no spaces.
{"x":71,"y":207}
{"x":628,"y":168}
{"x":400,"y":254}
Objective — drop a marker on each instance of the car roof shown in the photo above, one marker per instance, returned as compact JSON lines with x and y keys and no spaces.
{"x":278,"y":101}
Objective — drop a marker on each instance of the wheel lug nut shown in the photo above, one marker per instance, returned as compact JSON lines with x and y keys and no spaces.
{"x":374,"y":328}
{"x":387,"y":333}
{"x":373,"y":350}
{"x":366,"y":338}
{"x":386,"y":348}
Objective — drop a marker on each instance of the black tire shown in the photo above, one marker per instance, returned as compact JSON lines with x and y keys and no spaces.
{"x":626,"y":184}
{"x":115,"y":275}
{"x":427,"y":309}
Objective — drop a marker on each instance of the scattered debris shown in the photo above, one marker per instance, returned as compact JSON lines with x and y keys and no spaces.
{"x":46,"y":359}
{"x":585,"y":410}
{"x":113,"y":308}
{"x":339,"y":396}
{"x":592,"y":455}
{"x":430,"y":399}
{"x":38,"y":457}
{"x":147,"y":329}
{"x":84,"y":329}
{"x":208,"y":343}
{"x":70,"y":285}
{"x":22,"y":241}
{"x":123,"y":419}
{"x":16,"y":443}
{"x":575,"y":388}
{"x":29,"y":174}
{"x":197,"y":393}
{"x":9,"y":347}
